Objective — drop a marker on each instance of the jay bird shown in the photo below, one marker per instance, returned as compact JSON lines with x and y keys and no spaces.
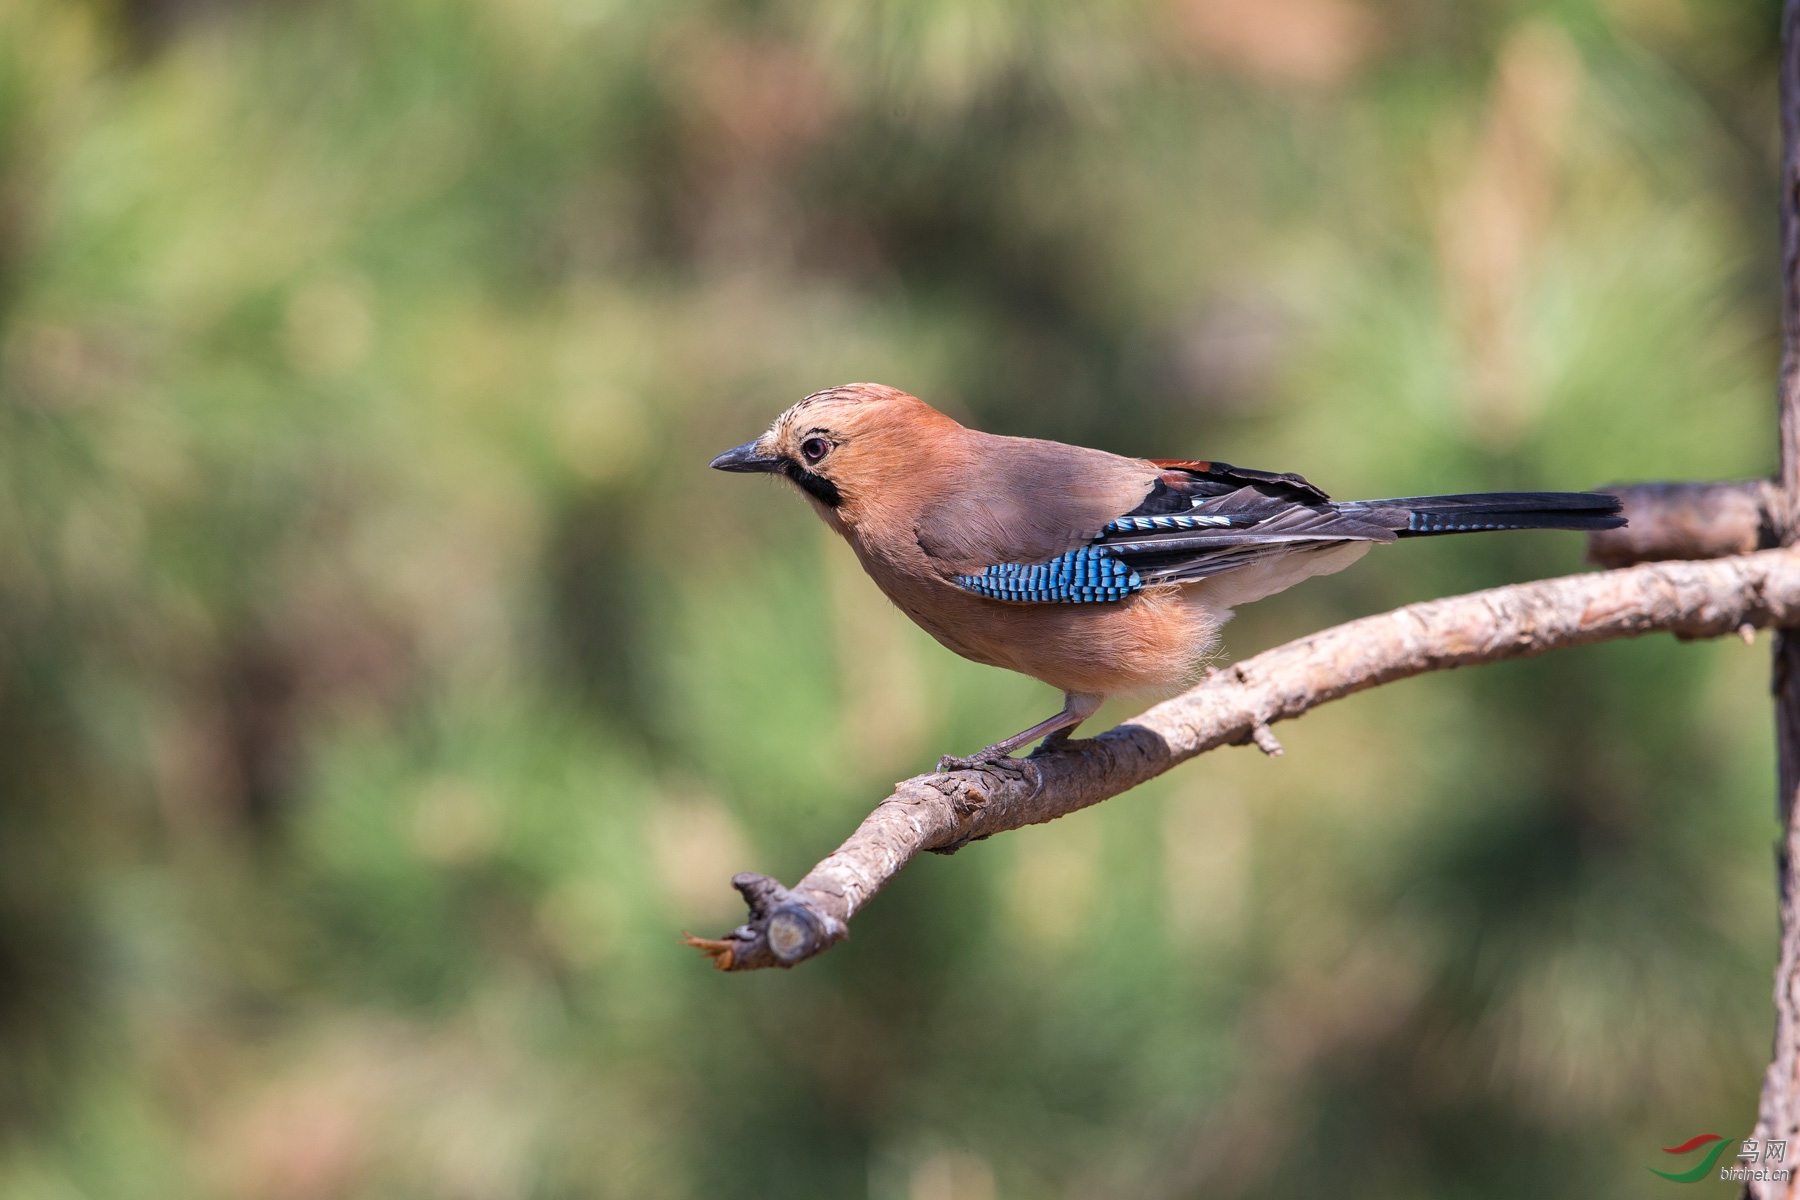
{"x":1094,"y":573}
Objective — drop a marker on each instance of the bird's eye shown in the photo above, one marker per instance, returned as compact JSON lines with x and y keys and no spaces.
{"x":814,"y":448}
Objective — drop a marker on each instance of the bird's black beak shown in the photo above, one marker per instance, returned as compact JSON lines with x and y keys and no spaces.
{"x":747,"y":457}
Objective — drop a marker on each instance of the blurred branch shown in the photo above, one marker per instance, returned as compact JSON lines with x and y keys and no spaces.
{"x":1236,"y":706}
{"x":1778,"y":1115}
{"x":1687,"y":521}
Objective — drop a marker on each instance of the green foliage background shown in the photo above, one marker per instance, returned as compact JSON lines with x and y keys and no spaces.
{"x":385,"y":683}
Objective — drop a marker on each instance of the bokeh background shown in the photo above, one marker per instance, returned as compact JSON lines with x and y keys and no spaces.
{"x":385,"y":683}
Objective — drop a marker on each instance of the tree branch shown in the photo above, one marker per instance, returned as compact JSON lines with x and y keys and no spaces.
{"x":1236,"y":706}
{"x":1688,"y":521}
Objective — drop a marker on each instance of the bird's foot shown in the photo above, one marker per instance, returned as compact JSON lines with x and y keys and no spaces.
{"x":981,"y":758}
{"x":1054,"y":731}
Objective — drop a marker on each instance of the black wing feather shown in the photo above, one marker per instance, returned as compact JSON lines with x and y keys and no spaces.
{"x":1201,"y":519}
{"x":1226,"y":527}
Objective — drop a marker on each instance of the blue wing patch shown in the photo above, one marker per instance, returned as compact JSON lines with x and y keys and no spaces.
{"x":1089,"y":575}
{"x":1178,"y":521}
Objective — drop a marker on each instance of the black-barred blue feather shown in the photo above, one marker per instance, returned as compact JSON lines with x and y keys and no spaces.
{"x":1087,"y":575}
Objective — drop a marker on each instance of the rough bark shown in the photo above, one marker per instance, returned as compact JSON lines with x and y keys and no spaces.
{"x":1778,"y":1115}
{"x":1236,"y":706}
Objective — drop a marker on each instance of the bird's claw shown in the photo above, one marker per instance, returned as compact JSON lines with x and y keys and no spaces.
{"x":980,"y":759}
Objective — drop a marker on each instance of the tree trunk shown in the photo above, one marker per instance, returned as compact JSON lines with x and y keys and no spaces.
{"x":1779,"y":1114}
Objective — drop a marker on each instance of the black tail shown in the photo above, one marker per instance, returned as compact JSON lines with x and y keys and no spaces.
{"x":1424,"y":516}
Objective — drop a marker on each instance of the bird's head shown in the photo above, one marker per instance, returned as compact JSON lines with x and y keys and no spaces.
{"x":842,"y":442}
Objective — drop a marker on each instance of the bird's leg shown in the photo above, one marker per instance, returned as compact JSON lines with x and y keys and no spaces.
{"x":1077,"y":707}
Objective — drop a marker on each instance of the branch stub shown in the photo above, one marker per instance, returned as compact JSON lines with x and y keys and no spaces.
{"x":793,"y":933}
